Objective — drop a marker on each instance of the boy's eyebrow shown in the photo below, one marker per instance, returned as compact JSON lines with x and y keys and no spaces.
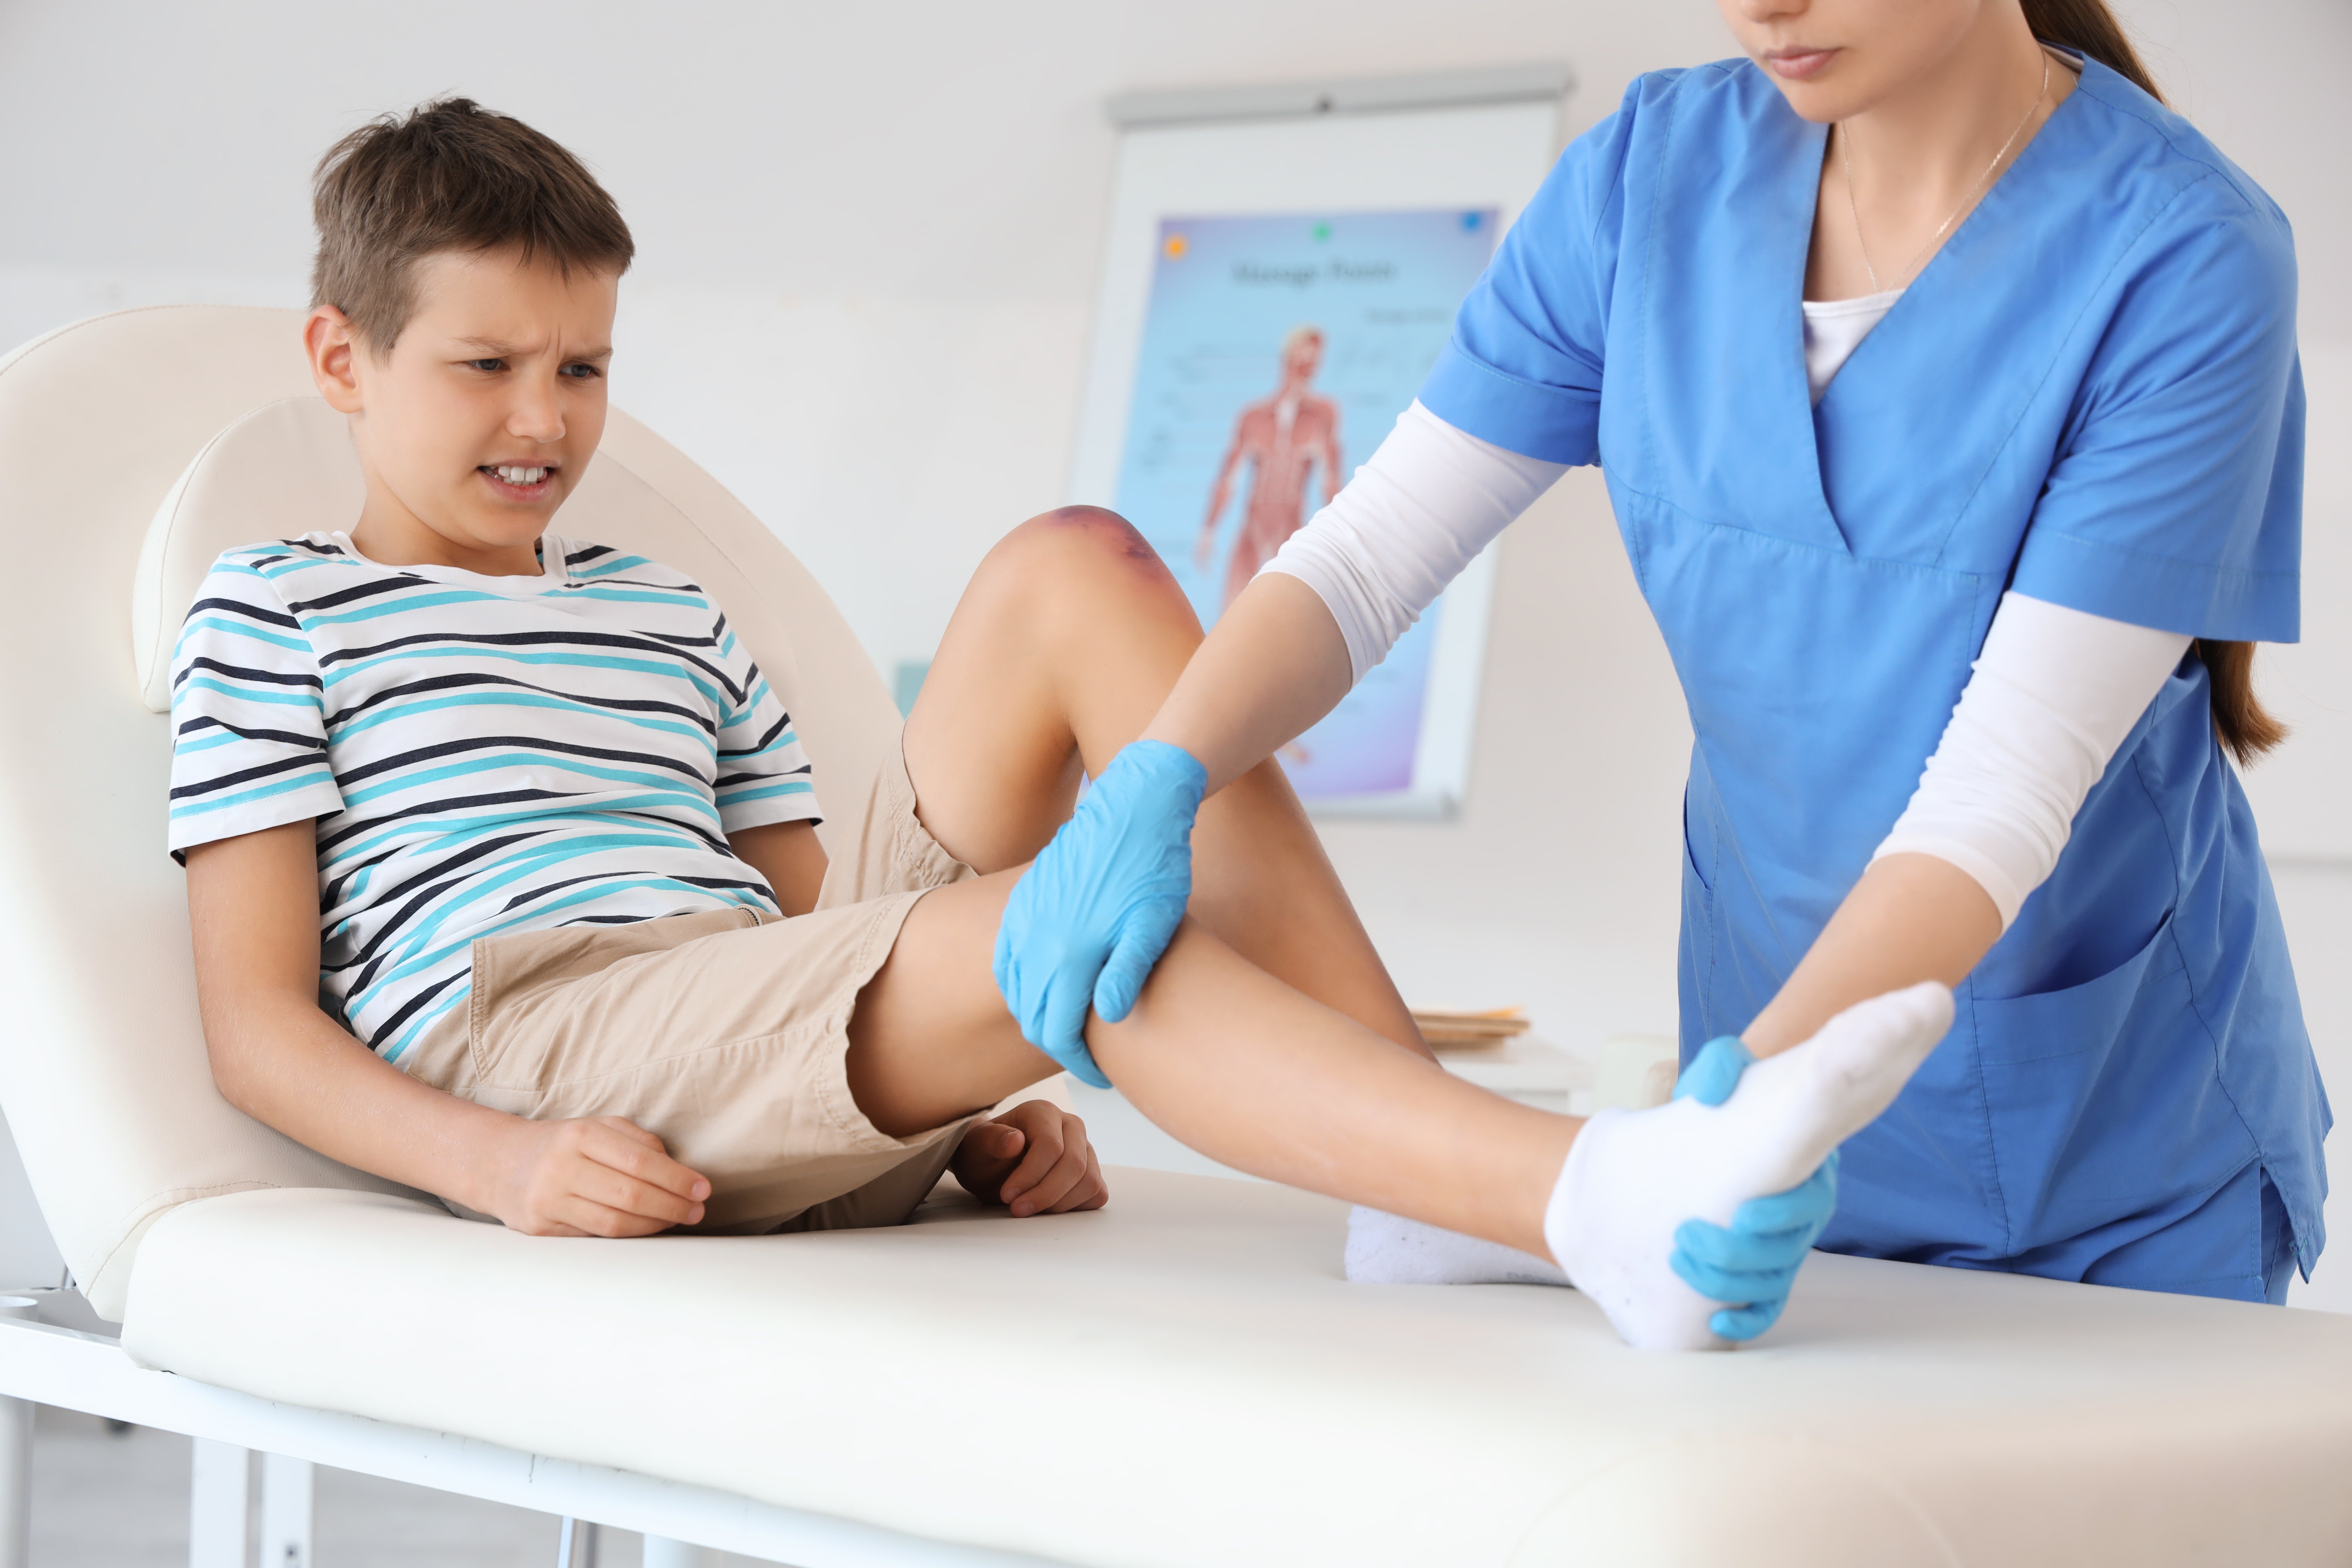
{"x":496,"y":350}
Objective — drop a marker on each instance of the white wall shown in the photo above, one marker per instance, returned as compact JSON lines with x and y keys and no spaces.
{"x":868,"y":240}
{"x":868,"y":233}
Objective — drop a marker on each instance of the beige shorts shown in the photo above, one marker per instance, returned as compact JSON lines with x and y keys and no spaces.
{"x":721,"y":1032}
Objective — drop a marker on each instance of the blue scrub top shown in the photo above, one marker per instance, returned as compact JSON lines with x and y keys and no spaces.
{"x":2091,"y":394}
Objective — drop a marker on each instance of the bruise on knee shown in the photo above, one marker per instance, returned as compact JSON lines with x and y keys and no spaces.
{"x":1088,"y":558}
{"x":1099,"y":529}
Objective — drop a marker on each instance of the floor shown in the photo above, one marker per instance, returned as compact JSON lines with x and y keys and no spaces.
{"x":118,"y":1499}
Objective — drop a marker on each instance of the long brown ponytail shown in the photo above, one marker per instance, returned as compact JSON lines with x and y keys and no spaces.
{"x":2088,"y":27}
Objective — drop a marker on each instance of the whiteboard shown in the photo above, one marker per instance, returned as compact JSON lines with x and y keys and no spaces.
{"x":1393,"y":162}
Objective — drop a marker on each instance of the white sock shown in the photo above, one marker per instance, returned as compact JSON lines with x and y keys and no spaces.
{"x":1634,"y":1175}
{"x":1388,"y":1249}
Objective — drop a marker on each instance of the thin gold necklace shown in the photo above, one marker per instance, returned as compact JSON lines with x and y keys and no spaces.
{"x":1845,"y":157}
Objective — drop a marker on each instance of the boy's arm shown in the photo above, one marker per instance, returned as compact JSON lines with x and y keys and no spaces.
{"x":788,"y":856}
{"x":252,"y":905}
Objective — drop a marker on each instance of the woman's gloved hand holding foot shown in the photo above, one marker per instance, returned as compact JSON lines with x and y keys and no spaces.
{"x":1628,"y":1218}
{"x":1752,"y":1263}
{"x":1097,"y":907}
{"x":1715,"y":1072}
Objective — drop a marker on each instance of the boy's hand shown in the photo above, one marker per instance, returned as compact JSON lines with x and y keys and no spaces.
{"x":1033,"y":1159}
{"x":600,"y":1176}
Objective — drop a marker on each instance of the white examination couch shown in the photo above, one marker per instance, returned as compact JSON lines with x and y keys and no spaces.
{"x":1180,"y":1379}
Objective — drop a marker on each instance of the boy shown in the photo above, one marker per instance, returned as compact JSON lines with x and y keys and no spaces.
{"x":505,"y":885}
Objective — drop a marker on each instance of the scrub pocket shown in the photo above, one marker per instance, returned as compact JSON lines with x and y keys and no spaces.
{"x":2083,"y":1090}
{"x":1694,"y":955}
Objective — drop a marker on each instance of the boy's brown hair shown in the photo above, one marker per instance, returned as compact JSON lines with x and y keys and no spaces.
{"x":452,"y":176}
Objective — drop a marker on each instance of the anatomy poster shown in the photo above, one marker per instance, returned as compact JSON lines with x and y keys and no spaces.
{"x":1276,"y":353}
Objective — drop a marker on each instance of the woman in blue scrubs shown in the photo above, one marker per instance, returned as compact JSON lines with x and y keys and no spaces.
{"x":2083,"y":392}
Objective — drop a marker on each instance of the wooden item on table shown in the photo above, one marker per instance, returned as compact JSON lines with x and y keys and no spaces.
{"x":1452,"y":1031}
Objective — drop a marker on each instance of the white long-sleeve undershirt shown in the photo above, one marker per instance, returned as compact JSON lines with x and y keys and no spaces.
{"x":2052,"y":695}
{"x":2048,"y":699}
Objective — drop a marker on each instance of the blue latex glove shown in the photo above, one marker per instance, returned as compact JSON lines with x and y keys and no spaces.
{"x":1752,"y":1264}
{"x":1094,"y":912}
{"x":1715,"y":1072}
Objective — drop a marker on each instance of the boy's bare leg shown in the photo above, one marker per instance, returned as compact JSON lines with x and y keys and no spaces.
{"x":1224,"y":1056}
{"x":1062,"y":646}
{"x":1270,"y":1040}
{"x":1249,"y":1071}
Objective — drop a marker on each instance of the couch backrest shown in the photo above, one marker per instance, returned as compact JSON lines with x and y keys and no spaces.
{"x":134,"y":449}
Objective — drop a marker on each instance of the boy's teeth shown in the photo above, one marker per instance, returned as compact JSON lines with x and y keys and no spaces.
{"x":515,"y":476}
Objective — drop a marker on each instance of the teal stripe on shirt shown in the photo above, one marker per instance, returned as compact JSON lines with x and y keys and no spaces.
{"x":309,"y":779}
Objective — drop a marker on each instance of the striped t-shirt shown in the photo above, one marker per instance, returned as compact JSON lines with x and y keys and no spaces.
{"x":483,"y":754}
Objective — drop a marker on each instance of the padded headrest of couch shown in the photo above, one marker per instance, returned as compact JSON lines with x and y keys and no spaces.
{"x":134,"y":449}
{"x":283,"y":469}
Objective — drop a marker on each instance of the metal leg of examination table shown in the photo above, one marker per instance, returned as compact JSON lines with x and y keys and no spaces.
{"x":576,"y":1544}
{"x":17,"y":1459}
{"x":217,"y":1475}
{"x":16,"y":1483}
{"x":288,"y":1487}
{"x":219,"y":1515}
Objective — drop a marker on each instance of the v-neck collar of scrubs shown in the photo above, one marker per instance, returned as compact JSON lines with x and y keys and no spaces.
{"x":1916,"y":301}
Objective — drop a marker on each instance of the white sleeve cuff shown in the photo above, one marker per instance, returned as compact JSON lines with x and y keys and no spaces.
{"x":1986,"y":869}
{"x":2052,"y":697}
{"x":1409,"y":521}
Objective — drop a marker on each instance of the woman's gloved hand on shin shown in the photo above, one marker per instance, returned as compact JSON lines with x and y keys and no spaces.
{"x":1097,"y":907}
{"x":1751,"y":1264}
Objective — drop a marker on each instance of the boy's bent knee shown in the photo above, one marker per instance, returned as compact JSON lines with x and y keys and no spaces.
{"x":1082,"y":527}
{"x":1083,"y":557}
{"x":1085,"y":539}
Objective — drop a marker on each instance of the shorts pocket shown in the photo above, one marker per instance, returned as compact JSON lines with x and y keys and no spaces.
{"x":529,"y":1026}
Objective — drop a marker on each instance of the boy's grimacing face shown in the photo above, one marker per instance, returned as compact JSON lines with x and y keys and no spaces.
{"x":483,"y":416}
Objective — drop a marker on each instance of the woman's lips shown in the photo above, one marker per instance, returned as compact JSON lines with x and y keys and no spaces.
{"x":1799,"y":63}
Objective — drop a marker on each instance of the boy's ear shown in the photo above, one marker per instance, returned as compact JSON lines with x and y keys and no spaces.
{"x":328,"y":342}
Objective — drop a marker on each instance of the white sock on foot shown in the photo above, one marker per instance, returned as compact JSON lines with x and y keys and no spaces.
{"x":1388,"y":1249}
{"x":1634,"y":1175}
